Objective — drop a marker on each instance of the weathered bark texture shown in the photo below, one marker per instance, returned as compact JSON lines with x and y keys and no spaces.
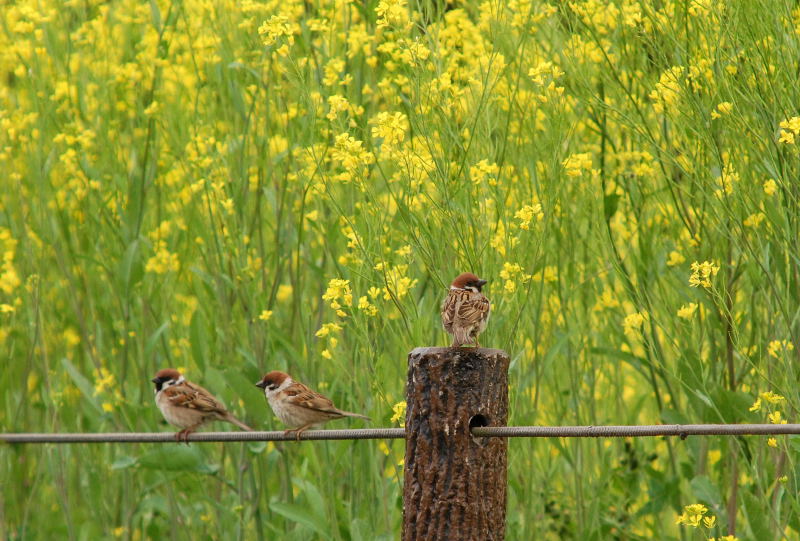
{"x":454,"y":484}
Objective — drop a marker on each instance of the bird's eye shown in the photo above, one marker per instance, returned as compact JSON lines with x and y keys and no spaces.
{"x":273,"y":387}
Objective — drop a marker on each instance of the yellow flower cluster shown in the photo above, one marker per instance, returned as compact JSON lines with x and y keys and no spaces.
{"x":633,"y":322}
{"x":338,"y":290}
{"x":769,"y":397}
{"x":9,"y":279}
{"x":391,"y":13}
{"x":511,"y":273}
{"x":328,"y":330}
{"x":399,"y":414}
{"x":483,"y":171}
{"x":527,"y":214}
{"x":390,"y":127}
{"x":776,"y":347}
{"x":667,"y":92}
{"x":577,"y":163}
{"x":702,"y":274}
{"x":398,"y":283}
{"x":163,"y":261}
{"x":790,"y":129}
{"x":687,"y":310}
{"x":367,"y":307}
{"x":351,"y":154}
{"x":722,"y":109}
{"x":695,"y":515}
{"x":726,"y":180}
{"x":105,"y":386}
{"x":276,"y":27}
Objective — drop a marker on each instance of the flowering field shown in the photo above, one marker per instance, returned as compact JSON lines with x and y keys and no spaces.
{"x":230,"y":187}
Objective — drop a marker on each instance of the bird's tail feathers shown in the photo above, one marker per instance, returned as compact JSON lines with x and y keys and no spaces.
{"x":354,"y":415}
{"x":231,"y":419}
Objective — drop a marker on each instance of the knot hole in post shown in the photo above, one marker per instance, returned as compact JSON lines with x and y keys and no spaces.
{"x":479,"y":420}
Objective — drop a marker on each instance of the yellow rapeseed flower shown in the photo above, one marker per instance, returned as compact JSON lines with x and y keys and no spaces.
{"x":692,"y":515}
{"x":789,"y":129}
{"x":367,"y":307}
{"x":284,"y":292}
{"x":391,"y":13}
{"x":687,"y":310}
{"x":777,"y":346}
{"x":391,"y":127}
{"x":675,"y":258}
{"x":399,"y":415}
{"x":163,"y":261}
{"x":702,"y":273}
{"x":633,"y":322}
{"x":527,"y":214}
{"x":276,"y":27}
{"x":723,"y":108}
{"x":328,"y":328}
{"x":754,"y":220}
{"x":577,"y":163}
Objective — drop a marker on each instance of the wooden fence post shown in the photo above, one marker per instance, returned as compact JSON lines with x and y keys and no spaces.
{"x":455,"y":484}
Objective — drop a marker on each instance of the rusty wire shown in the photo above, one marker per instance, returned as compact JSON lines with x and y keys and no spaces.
{"x":166,"y":437}
{"x":398,"y":433}
{"x":634,"y":431}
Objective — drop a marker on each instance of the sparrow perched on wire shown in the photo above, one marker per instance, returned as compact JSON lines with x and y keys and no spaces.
{"x":465,"y":311}
{"x":297,"y":406}
{"x":187,"y":405}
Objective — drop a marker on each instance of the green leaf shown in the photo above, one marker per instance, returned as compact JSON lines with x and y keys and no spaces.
{"x":82,"y":384}
{"x":199,"y":340}
{"x":706,"y":491}
{"x":178,"y":457}
{"x":757,"y":512}
{"x":610,"y":204}
{"x":673,"y":417}
{"x":256,"y":447}
{"x":301,"y":515}
{"x":124,"y":462}
{"x":156,"y":14}
{"x":152,"y":340}
{"x":131,"y":266}
{"x":313,"y":495}
{"x":733,"y":406}
{"x":244,"y":389}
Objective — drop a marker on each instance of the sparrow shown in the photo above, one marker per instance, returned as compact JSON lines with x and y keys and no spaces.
{"x":297,"y":406}
{"x":187,"y":405}
{"x":465,"y":311}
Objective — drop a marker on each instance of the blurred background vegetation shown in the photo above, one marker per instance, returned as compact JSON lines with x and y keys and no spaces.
{"x":230,"y":187}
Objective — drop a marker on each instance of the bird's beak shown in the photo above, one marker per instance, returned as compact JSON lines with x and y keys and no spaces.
{"x":261,"y":384}
{"x":155,"y":380}
{"x":481,"y":283}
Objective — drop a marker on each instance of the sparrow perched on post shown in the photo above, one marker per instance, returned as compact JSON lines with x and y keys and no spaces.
{"x":187,"y":405}
{"x":465,"y":311}
{"x":297,"y":406}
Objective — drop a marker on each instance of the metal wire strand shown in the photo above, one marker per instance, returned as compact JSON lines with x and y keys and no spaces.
{"x":166,"y":437}
{"x":397,"y":433}
{"x":633,"y":431}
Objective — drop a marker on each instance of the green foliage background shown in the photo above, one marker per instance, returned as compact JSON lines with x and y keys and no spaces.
{"x":230,"y":187}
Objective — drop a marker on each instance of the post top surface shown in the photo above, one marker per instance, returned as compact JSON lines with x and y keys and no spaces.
{"x":437,"y":350}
